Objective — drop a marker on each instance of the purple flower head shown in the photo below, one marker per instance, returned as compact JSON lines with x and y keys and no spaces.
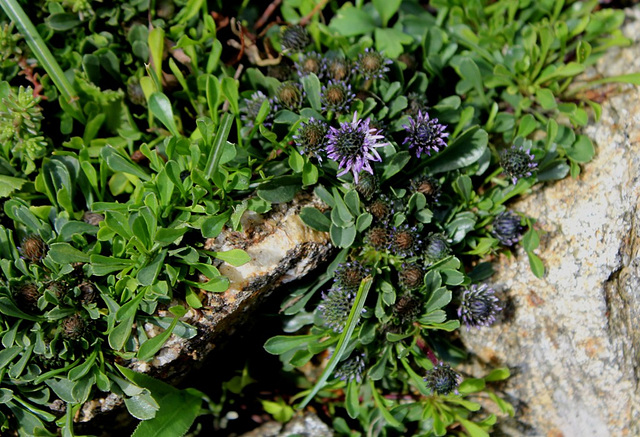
{"x":335,"y":307}
{"x":353,"y":146}
{"x":351,"y":368}
{"x":425,"y":135}
{"x":372,"y":64}
{"x":517,"y":162}
{"x":336,"y":96}
{"x":442,"y":379}
{"x":350,"y":274}
{"x":33,"y":248}
{"x":311,"y":138}
{"x":252,"y":107}
{"x":506,"y":228}
{"x":478,"y":306}
{"x":310,"y":63}
{"x":294,"y":38}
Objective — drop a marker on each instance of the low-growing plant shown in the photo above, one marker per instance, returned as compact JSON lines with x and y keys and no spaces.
{"x":415,"y":124}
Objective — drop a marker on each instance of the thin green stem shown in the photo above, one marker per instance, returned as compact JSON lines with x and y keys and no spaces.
{"x":69,"y":99}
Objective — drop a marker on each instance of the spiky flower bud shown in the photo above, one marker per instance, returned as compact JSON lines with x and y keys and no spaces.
{"x":417,"y":104}
{"x":351,"y":369}
{"x":442,"y":379}
{"x":251,"y":109}
{"x":336,"y":96}
{"x":310,"y":63}
{"x":507,"y":228}
{"x":335,"y":307}
{"x":425,"y":135}
{"x":478,"y":306}
{"x":435,"y":248}
{"x":428,"y":186}
{"x":407,"y":309}
{"x":337,"y":69}
{"x":517,"y":163}
{"x":88,"y":293}
{"x":33,"y":248}
{"x":411,"y":276}
{"x":378,"y":238}
{"x":404,"y":241}
{"x":282,"y":72}
{"x":349,"y":275}
{"x":311,"y":138}
{"x":294,"y":38}
{"x":367,"y":185}
{"x":74,"y":327}
{"x":27,"y":297}
{"x":372,"y":64}
{"x":381,"y":208}
{"x":289,"y":95}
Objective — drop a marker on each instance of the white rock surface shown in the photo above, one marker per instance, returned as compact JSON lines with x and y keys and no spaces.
{"x":572,"y":339}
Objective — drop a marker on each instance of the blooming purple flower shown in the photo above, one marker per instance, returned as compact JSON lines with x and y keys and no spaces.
{"x":517,"y":162}
{"x":506,"y":228}
{"x":335,"y":307}
{"x":351,"y":368}
{"x":353,"y":146}
{"x":425,"y":135}
{"x":478,"y":306}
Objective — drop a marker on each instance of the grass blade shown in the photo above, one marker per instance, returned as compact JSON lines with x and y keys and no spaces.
{"x":44,"y":56}
{"x":352,"y":321}
{"x":218,"y":143}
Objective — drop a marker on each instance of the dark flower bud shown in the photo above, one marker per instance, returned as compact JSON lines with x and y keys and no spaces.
{"x":351,"y":369}
{"x":290,"y":95}
{"x":88,"y":293}
{"x":74,"y":327}
{"x":407,"y":309}
{"x":33,"y":248}
{"x":295,"y":38}
{"x":517,"y":163}
{"x":372,"y":64}
{"x":506,"y":228}
{"x":417,"y":104}
{"x":311,"y":138}
{"x":281,"y":72}
{"x":310,"y":63}
{"x":442,"y":379}
{"x":337,"y":69}
{"x":349,"y":275}
{"x":428,"y":186}
{"x":336,"y":96}
{"x":411,"y":276}
{"x":478,"y":306}
{"x":381,"y":208}
{"x":138,"y":157}
{"x":367,"y":185}
{"x":436,"y":248}
{"x":251,"y":109}
{"x":27,"y":297}
{"x":335,"y":307}
{"x":377,"y":238}
{"x":404,"y":241}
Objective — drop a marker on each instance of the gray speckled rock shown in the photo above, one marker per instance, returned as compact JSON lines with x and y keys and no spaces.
{"x":572,"y":339}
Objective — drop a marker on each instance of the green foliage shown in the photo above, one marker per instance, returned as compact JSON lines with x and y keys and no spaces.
{"x":122,"y":158}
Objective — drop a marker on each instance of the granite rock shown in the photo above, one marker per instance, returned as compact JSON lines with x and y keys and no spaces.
{"x":572,"y":339}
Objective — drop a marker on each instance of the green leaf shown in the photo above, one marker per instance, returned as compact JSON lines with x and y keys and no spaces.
{"x":345,"y":337}
{"x":150,"y":347}
{"x":280,"y":344}
{"x":235,"y":257}
{"x":546,"y":98}
{"x":470,"y":72}
{"x":313,"y":218}
{"x":351,"y":21}
{"x":212,"y":226}
{"x":537,"y":267}
{"x":280,"y":189}
{"x":148,"y":274}
{"x":397,"y":162}
{"x":160,"y":106}
{"x":342,"y":237}
{"x":311,"y":85}
{"x":217,"y":149}
{"x":119,"y":163}
{"x":230,"y":91}
{"x":142,"y":406}
{"x":498,"y":374}
{"x":64,"y":253}
{"x":391,"y":41}
{"x":473,"y":429}
{"x":351,"y":401}
{"x":582,"y":150}
{"x":386,"y":9}
{"x":9,"y":184}
{"x":464,"y":151}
